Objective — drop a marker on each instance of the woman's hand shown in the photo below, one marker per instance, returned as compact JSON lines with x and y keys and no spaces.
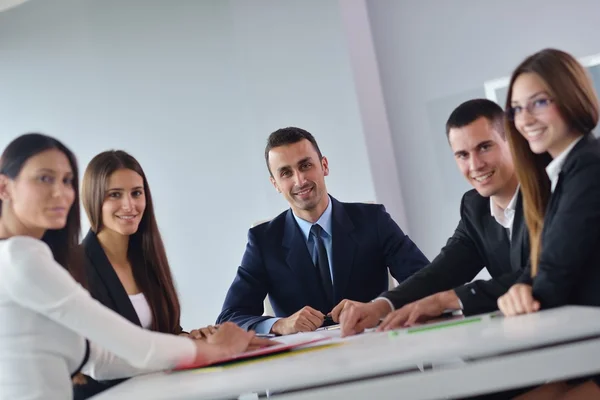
{"x":518,"y":300}
{"x":227,"y":341}
{"x":203,"y":333}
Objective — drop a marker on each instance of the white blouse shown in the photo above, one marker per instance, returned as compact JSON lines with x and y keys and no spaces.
{"x":45,"y":316}
{"x":142,"y":309}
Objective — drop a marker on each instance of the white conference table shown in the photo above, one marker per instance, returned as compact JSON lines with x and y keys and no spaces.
{"x":480,"y":355}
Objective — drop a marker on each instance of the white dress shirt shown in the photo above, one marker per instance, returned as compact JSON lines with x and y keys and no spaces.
{"x":45,"y":316}
{"x":553,"y":169}
{"x":505,"y":217}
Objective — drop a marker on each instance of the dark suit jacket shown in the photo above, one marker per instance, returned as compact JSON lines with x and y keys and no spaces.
{"x":103,"y":283}
{"x":478,"y":242}
{"x":106,"y":287}
{"x":569,"y":265}
{"x":365,"y":242}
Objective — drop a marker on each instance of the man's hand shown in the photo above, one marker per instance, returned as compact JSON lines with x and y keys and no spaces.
{"x":518,"y":300}
{"x":203,"y":333}
{"x":306,"y":320}
{"x":342,"y":305}
{"x":355,"y":317}
{"x":428,"y":307}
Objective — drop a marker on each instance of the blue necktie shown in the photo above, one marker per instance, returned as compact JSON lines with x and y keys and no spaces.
{"x":323,"y":263}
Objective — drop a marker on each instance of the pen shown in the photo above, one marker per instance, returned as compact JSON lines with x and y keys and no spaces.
{"x":265,"y":335}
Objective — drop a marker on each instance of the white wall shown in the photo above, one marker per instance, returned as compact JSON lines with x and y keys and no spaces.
{"x":435,"y":54}
{"x":375,"y":122}
{"x":192,"y":89}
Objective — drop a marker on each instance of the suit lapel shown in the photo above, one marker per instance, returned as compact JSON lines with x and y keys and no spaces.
{"x":298,"y":259}
{"x":518,"y":240}
{"x":588,"y":140}
{"x":552,"y":204}
{"x":107,"y":274}
{"x":343,"y":249}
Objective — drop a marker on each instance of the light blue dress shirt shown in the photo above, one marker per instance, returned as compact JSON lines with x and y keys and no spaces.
{"x":325,"y":222}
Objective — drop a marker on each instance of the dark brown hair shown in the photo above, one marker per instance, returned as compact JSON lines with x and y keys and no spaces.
{"x":571,"y":89}
{"x":146,"y":250}
{"x":64,"y":242}
{"x":289,"y":135}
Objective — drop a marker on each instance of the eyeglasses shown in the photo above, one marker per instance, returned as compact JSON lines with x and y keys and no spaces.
{"x":534,"y":107}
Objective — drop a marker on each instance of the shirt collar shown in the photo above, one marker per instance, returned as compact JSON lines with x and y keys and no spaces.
{"x":553,"y":169}
{"x":324,"y":221}
{"x":497,"y":212}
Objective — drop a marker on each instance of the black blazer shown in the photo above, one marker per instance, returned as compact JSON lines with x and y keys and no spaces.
{"x":365,"y":242}
{"x":478,"y":242}
{"x":106,"y":287}
{"x":103,"y":283}
{"x":569,"y":265}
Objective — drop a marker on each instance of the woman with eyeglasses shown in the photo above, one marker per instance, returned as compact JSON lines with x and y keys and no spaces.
{"x":552,"y":110}
{"x":51,"y":328}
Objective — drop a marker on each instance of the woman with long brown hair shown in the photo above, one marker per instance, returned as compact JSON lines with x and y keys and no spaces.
{"x":125,"y":258}
{"x":124,"y":252}
{"x":51,"y":328}
{"x":552,"y":109}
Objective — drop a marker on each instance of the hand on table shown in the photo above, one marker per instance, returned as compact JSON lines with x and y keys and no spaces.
{"x":354,"y":317}
{"x":306,"y":320}
{"x":426,"y":308}
{"x":228,"y":341}
{"x":203,"y":333}
{"x":518,"y":300}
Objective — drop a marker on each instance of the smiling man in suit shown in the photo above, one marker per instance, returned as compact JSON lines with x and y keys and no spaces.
{"x":318,"y":252}
{"x":491,"y":233}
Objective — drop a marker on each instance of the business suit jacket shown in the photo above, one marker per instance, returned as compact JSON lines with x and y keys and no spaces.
{"x":103,"y":283}
{"x":365,"y":242}
{"x":478,"y":241}
{"x":569,"y":264}
{"x":106,"y":287}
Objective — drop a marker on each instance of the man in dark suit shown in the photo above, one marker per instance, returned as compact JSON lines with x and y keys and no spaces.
{"x":318,"y":252}
{"x":491,"y":233}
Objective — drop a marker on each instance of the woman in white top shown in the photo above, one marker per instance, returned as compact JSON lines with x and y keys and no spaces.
{"x":552,"y":109}
{"x":45,"y":314}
